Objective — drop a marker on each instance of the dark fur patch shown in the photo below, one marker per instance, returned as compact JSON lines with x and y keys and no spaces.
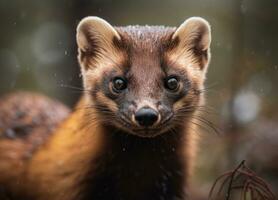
{"x":134,"y":168}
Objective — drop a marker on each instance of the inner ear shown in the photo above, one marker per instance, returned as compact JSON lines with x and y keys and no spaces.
{"x":192,"y":39}
{"x":96,"y":38}
{"x":194,"y":33}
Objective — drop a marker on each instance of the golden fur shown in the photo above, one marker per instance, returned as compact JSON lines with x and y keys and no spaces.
{"x":73,"y":162}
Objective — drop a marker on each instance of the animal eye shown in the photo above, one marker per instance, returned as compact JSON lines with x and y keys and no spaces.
{"x":172,"y":83}
{"x":119,"y":84}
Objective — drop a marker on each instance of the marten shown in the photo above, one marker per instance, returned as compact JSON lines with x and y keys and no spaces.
{"x":131,"y":136}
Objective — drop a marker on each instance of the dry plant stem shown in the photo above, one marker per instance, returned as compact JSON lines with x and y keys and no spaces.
{"x":232,"y":178}
{"x":252,"y":186}
{"x":259,"y":182}
{"x":245,"y":189}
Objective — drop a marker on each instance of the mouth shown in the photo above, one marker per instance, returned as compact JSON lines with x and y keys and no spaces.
{"x":123,"y":122}
{"x":147,"y":132}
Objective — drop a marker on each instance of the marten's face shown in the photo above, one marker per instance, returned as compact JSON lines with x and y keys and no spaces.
{"x":144,"y":80}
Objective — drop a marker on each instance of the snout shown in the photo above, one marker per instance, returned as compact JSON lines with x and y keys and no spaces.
{"x":146,"y":117}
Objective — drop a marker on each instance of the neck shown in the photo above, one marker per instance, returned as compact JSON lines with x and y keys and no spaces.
{"x":132,"y":167}
{"x":101,"y":162}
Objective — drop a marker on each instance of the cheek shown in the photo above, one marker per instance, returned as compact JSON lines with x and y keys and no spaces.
{"x":91,"y":78}
{"x":189,"y":101}
{"x":97,"y":75}
{"x":101,"y":99}
{"x":178,"y":105}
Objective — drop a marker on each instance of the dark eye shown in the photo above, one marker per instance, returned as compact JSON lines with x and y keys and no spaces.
{"x":172,"y":83}
{"x":119,"y":84}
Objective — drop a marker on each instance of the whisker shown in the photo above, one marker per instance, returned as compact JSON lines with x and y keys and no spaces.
{"x":79,"y":89}
{"x":209,"y":87}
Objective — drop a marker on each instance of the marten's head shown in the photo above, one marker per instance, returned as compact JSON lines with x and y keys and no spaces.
{"x":144,"y":79}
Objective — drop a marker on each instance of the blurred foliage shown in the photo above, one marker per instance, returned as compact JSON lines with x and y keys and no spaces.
{"x":38,"y":53}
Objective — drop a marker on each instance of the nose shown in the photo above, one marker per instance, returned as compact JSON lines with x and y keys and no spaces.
{"x":146,"y":116}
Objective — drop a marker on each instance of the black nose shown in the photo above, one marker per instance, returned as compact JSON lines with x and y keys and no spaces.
{"x":146,"y":116}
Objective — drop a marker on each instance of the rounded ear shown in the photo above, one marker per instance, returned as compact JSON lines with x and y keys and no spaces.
{"x":94,"y":33}
{"x":194,"y":33}
{"x":190,"y":43}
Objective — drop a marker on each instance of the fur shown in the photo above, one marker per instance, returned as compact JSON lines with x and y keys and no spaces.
{"x":100,"y":152}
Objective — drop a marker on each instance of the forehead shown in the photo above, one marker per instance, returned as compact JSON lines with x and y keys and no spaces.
{"x":144,"y":46}
{"x":145,"y":37}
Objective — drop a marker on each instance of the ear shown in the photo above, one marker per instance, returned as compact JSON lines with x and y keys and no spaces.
{"x":193,"y":38}
{"x":95,"y":39}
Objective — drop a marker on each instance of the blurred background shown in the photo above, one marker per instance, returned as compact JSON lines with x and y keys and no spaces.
{"x":38,"y":53}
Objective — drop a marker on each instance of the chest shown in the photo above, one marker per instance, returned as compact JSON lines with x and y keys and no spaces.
{"x":136,"y":174}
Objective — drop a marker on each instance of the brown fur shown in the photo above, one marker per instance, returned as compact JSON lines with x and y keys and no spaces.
{"x":26,"y":121}
{"x":95,"y":154}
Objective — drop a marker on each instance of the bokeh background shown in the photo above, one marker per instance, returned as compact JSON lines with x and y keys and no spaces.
{"x":38,"y":53}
